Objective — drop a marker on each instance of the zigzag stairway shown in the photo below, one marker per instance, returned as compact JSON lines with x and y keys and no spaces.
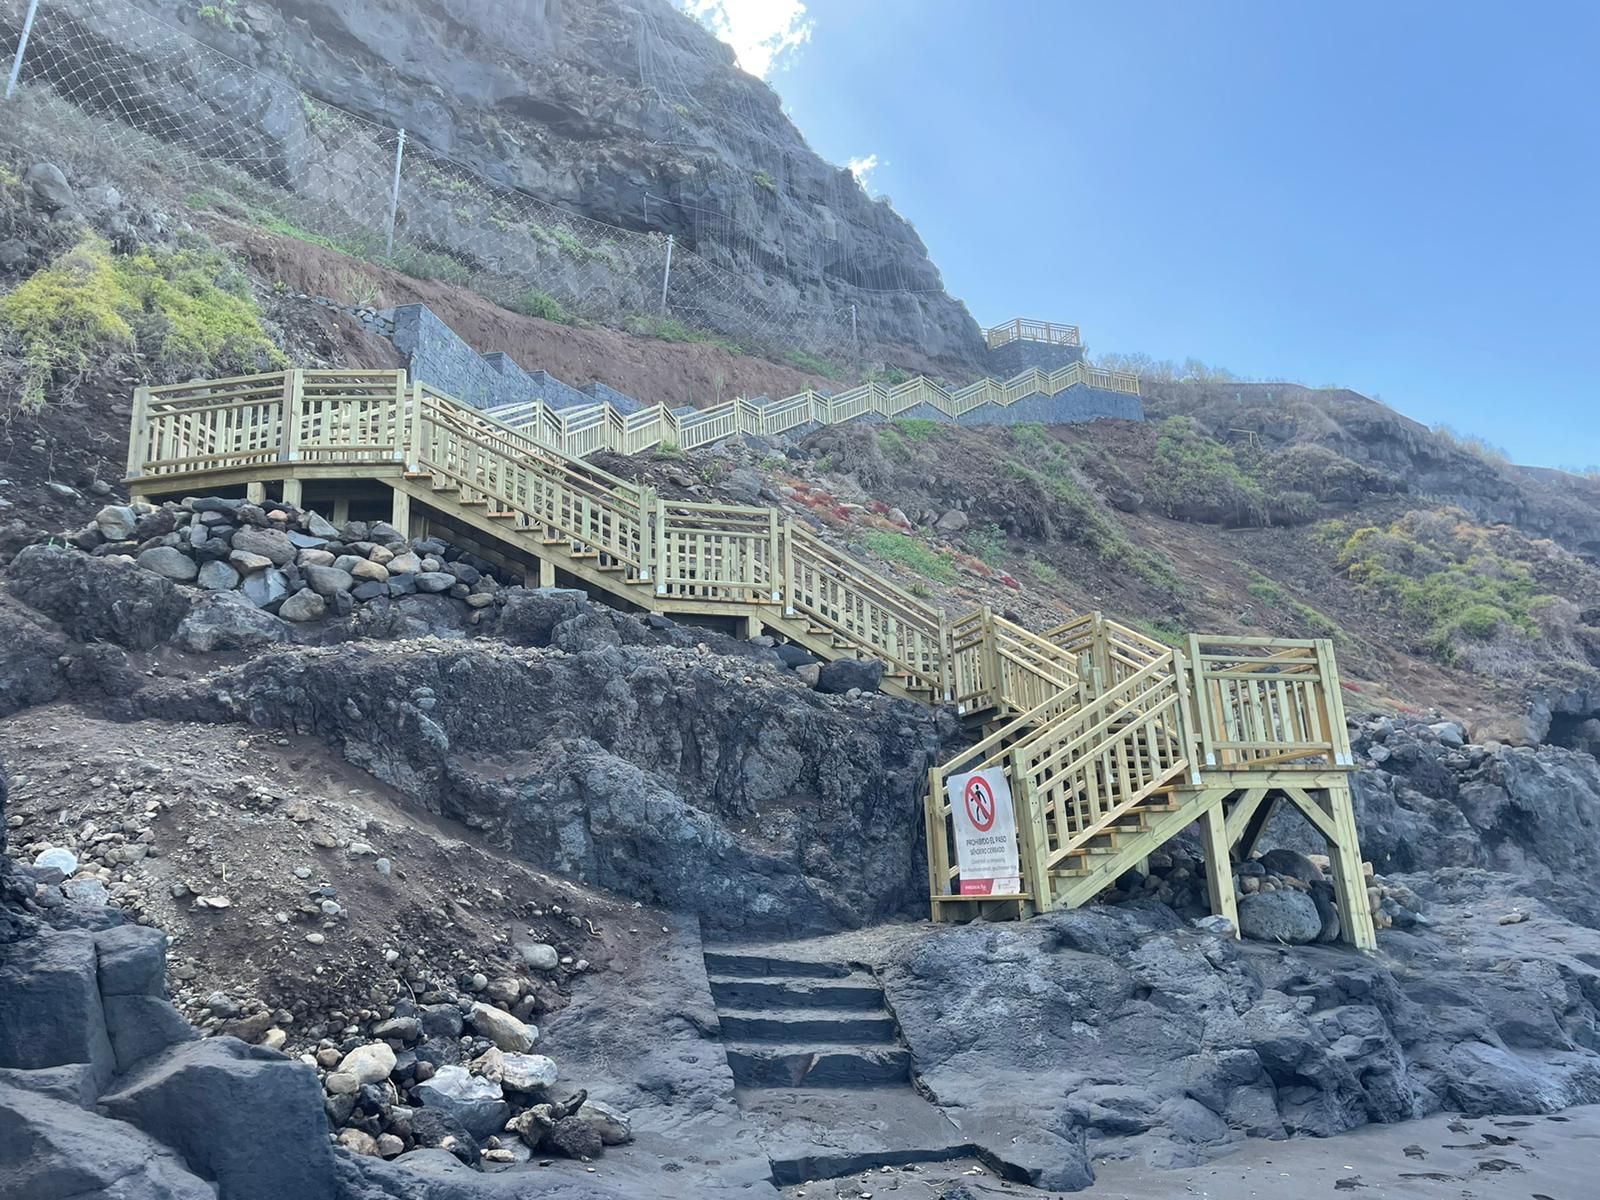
{"x":1109,"y":743}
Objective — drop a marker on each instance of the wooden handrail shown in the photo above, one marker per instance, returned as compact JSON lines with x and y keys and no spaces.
{"x":1023,"y":329}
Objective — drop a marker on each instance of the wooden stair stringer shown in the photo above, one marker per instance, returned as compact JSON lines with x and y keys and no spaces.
{"x":1072,"y":891}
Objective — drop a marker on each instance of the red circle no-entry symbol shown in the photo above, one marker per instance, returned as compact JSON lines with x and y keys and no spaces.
{"x":980,"y":804}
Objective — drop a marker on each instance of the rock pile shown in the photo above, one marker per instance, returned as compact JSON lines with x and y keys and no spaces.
{"x":268,"y":564}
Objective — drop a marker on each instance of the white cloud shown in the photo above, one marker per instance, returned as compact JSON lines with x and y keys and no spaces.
{"x":862,"y":167}
{"x":761,"y":32}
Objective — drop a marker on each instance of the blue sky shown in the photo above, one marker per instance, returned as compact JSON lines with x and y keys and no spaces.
{"x":1396,"y":197}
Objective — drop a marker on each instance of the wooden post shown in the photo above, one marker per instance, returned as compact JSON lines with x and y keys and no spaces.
{"x":1338,"y":732}
{"x":414,"y":431}
{"x":293,"y":392}
{"x":1202,"y":703}
{"x":1186,"y":726}
{"x":1033,"y":839}
{"x":139,"y":432}
{"x":661,"y":547}
{"x":788,"y":568}
{"x":547,"y":572}
{"x":938,"y":843}
{"x":1349,"y":882}
{"x":1219,"y":867}
{"x":400,"y":516}
{"x":774,"y":556}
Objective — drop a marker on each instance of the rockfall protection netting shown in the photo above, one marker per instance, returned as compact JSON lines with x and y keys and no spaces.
{"x":118,"y":86}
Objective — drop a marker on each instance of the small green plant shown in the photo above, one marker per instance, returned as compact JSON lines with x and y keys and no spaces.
{"x":712,"y":473}
{"x":825,"y":464}
{"x":988,"y":542}
{"x":534,"y":303}
{"x":765,"y":182}
{"x":220,"y":14}
{"x":918,"y":429}
{"x":1317,"y":623}
{"x":1042,"y":571}
{"x":668,"y":449}
{"x":814,"y":364}
{"x":569,"y":243}
{"x":937,"y":565}
{"x":773,"y":462}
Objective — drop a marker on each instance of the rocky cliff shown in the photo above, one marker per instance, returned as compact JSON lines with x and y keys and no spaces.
{"x":626,"y":111}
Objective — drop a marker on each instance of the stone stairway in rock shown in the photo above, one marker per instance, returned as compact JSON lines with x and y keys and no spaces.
{"x":821,"y":1071}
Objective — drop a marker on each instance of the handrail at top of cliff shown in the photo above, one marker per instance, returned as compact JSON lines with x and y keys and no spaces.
{"x":1021,"y":329}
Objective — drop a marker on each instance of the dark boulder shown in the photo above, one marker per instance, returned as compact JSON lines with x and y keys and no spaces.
{"x":1285,"y":915}
{"x":98,"y":599}
{"x":842,"y":674}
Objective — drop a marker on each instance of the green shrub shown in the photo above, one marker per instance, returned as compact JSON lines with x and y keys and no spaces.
{"x":187,"y":311}
{"x":765,"y":182}
{"x":909,"y":552}
{"x":918,"y":429}
{"x":534,"y":303}
{"x":1042,"y":571}
{"x":988,"y":542}
{"x":813,"y":364}
{"x":1481,"y":621}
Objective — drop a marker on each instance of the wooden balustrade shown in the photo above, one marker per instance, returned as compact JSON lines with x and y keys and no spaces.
{"x":1022,"y":329}
{"x":1268,"y":702}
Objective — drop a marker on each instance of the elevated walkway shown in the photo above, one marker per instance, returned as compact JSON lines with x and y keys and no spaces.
{"x":1111,"y":743}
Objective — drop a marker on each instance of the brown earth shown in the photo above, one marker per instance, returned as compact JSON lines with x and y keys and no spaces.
{"x":223,"y":811}
{"x":651,"y":370}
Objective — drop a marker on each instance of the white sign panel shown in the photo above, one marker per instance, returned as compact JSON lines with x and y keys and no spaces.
{"x":986,"y":833}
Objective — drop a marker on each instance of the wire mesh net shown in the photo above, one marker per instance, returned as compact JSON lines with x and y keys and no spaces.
{"x":119,"y":84}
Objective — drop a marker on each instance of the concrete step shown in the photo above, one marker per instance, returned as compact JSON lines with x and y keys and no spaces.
{"x":825,"y":1133}
{"x":852,"y":992}
{"x":796,"y":1025}
{"x":759,"y":1064}
{"x":738,"y":962}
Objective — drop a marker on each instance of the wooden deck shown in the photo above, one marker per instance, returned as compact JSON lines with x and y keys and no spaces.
{"x":1112,"y":743}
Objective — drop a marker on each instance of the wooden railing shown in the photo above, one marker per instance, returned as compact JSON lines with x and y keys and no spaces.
{"x":583,"y":430}
{"x":1033,"y":331}
{"x":998,"y":665}
{"x":1269,"y":702}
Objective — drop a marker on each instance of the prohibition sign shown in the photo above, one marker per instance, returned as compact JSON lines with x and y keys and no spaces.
{"x":980,"y":804}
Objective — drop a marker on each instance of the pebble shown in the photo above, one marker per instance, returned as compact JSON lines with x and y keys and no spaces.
{"x":316,"y":939}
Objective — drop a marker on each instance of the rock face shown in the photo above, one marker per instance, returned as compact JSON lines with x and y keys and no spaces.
{"x":629,"y":768}
{"x":98,"y":601}
{"x":572,"y":103}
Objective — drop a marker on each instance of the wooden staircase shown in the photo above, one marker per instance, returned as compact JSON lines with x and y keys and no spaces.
{"x":1111,"y":742}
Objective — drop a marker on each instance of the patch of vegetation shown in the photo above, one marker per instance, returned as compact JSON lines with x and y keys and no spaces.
{"x":918,"y":429}
{"x":1270,"y":593}
{"x":667,"y":448}
{"x":1165,"y":631}
{"x":988,"y":542}
{"x":1195,"y":477}
{"x":220,"y":14}
{"x":1476,"y":446}
{"x":670,"y":329}
{"x":814,"y":364}
{"x":534,"y":303}
{"x":825,"y":464}
{"x":906,"y":550}
{"x":185,"y":310}
{"x":1443,"y":572}
{"x":1042,"y":571}
{"x":887,"y":376}
{"x":765,"y":182}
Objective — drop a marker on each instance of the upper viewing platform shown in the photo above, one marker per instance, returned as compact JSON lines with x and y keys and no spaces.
{"x":1022,"y":344}
{"x":1024,"y":330}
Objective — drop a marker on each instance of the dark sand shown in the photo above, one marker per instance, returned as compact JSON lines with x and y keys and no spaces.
{"x":1440,"y":1158}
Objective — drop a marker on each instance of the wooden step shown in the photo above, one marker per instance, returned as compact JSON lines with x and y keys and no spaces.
{"x":418,"y":475}
{"x":473,"y":503}
{"x":500,"y":516}
{"x":585,"y":554}
{"x":555,"y":541}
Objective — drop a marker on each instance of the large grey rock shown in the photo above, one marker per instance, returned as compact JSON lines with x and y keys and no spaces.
{"x":244,"y":1116}
{"x":170,"y":562}
{"x":304,"y":605}
{"x":474,"y":1101}
{"x":528,"y":1072}
{"x":1285,"y":915}
{"x":98,"y":599}
{"x":325,"y":581}
{"x":52,"y":1013}
{"x":503,"y":1029}
{"x":229,"y":621}
{"x":117,"y":522}
{"x":218,"y":576}
{"x":269,"y":543}
{"x":369,"y":1064}
{"x":265,"y":588}
{"x":842,"y":674}
{"x":49,"y":187}
{"x":52,"y":1149}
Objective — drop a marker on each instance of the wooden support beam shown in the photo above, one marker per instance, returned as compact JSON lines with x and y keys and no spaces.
{"x":256,"y":492}
{"x":1219,"y":867}
{"x":547,"y":572}
{"x":1315,"y":814}
{"x":1242,"y":811}
{"x":400,"y":514}
{"x":1256,"y":826}
{"x":1349,"y":883}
